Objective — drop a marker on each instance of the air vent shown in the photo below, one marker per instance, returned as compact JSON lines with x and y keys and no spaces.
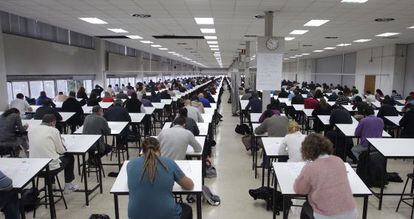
{"x":293,"y":50}
{"x":182,"y":44}
{"x":306,"y":45}
{"x":141,"y":15}
{"x":250,"y":35}
{"x":259,"y":16}
{"x":193,"y":52}
{"x":384,"y":19}
{"x":331,"y":37}
{"x":188,"y":48}
{"x":172,"y":37}
{"x":112,"y":37}
{"x":391,"y":37}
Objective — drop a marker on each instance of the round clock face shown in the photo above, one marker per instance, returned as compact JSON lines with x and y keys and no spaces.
{"x":272,"y":44}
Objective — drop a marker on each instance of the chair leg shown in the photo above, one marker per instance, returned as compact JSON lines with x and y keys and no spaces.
{"x":61,"y":191}
{"x":402,"y":194}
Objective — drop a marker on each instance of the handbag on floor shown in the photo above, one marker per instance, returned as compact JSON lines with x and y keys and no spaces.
{"x":247,"y":141}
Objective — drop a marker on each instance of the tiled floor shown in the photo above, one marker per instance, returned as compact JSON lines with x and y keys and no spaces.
{"x":234,"y":179}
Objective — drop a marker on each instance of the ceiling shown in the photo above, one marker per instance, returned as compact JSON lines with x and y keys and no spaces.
{"x":233,"y":20}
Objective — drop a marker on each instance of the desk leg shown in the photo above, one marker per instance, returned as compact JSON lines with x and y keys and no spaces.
{"x":269,"y":169}
{"x":382,"y":189}
{"x":116,"y":206}
{"x":285,"y":211}
{"x":256,"y":157}
{"x":118,"y":151}
{"x":263,"y":167}
{"x":199,"y":213}
{"x":365,"y":208}
{"x":21,"y":208}
{"x":50,"y":194}
{"x":274,"y":197}
{"x":100,"y":175}
{"x":85,"y":180}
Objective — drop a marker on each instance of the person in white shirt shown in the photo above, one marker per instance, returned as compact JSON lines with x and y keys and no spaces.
{"x":110,"y":90}
{"x":60,"y":97}
{"x":193,"y":112}
{"x":174,"y":141}
{"x":45,"y":142}
{"x":292,"y":143}
{"x":370,"y":98}
{"x":21,"y":104}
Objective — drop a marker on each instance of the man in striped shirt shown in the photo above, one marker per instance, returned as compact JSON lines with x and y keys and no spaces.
{"x":9,"y":201}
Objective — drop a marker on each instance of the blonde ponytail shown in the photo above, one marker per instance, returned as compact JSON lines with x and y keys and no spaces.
{"x":151,"y":147}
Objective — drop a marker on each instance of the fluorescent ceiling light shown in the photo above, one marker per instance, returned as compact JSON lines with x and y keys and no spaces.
{"x":343,"y":44}
{"x":156,"y":46}
{"x":297,"y":56}
{"x":117,"y":30}
{"x":213,"y":46}
{"x":135,"y":37}
{"x":146,"y":42}
{"x":299,"y":32}
{"x":208,"y":30}
{"x":215,"y":49}
{"x":204,"y":20}
{"x":354,"y":1}
{"x":292,"y":57}
{"x":329,"y":48}
{"x":210,"y":37}
{"x":305,"y":54}
{"x":289,"y":38}
{"x":316,"y":23}
{"x":212,"y":42}
{"x":362,"y":40}
{"x":286,"y":59}
{"x":412,"y":27}
{"x":163,"y":49}
{"x":318,"y":50}
{"x":172,"y":52}
{"x":387,"y":34}
{"x":93,"y":20}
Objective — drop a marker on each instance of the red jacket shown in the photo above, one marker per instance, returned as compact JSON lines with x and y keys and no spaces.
{"x":311,"y":103}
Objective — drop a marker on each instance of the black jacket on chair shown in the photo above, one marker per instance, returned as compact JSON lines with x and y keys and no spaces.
{"x":407,"y":125}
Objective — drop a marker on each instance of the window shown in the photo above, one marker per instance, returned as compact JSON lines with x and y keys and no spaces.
{"x":87,"y":84}
{"x":35,"y":88}
{"x":123,"y":81}
{"x":9,"y":91}
{"x":62,"y":85}
{"x":49,"y":88}
{"x":132,"y":81}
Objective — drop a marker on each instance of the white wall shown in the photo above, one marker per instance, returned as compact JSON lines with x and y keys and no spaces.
{"x":379,"y":61}
{"x":328,"y":69}
{"x":409,"y":71}
{"x":123,"y":63}
{"x":299,"y":70}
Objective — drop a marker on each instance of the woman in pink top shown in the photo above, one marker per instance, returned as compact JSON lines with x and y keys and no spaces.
{"x":325,"y":181}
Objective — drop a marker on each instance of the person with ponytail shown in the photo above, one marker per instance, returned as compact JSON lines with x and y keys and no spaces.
{"x":150,"y":181}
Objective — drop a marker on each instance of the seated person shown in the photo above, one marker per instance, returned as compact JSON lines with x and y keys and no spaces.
{"x":97,"y":90}
{"x":190,"y":124}
{"x":197,"y":104}
{"x":93,"y":100}
{"x":323,"y":108}
{"x":361,"y":107}
{"x":270,"y":111}
{"x":255,"y":104}
{"x":292,"y":143}
{"x":174,"y":141}
{"x":370,"y":98}
{"x":396,"y":96}
{"x":333,"y":97}
{"x":107,"y":97}
{"x":60,"y":97}
{"x":407,"y":123}
{"x":317,"y":179}
{"x":121,"y":95}
{"x":150,"y":182}
{"x":45,"y":142}
{"x":71,"y":104}
{"x":155,"y":98}
{"x":40,"y":100}
{"x":342,"y":99}
{"x":21,"y":104}
{"x":46,"y":108}
{"x":387,"y":109}
{"x":165,"y":95}
{"x":145,"y":101}
{"x":193,"y":112}
{"x":95,"y":123}
{"x":11,"y":130}
{"x":297,"y":98}
{"x":283,"y":93}
{"x":203,"y":100}
{"x":9,"y":198}
{"x":369,"y":127}
{"x":275,"y":126}
{"x":310,"y":102}
{"x":118,"y":113}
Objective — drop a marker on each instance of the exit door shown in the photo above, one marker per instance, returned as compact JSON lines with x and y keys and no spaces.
{"x":369,"y":83}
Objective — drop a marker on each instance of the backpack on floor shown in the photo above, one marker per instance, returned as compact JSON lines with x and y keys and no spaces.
{"x":242,"y":129}
{"x":99,"y":216}
{"x":30,"y":199}
{"x":372,"y":173}
{"x":266,"y":193}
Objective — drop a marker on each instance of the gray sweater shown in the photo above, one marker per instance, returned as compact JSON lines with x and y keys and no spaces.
{"x":275,"y":126}
{"x":8,"y":127}
{"x":95,"y":124}
{"x":6,"y":183}
{"x":174,"y":142}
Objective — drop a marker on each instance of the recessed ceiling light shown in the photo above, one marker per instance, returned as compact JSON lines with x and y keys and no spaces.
{"x":343,"y":44}
{"x":299,"y":32}
{"x":210,"y":37}
{"x":412,"y":27}
{"x":305,"y":54}
{"x":117,"y":30}
{"x":215,"y":49}
{"x":354,"y":1}
{"x":135,"y":37}
{"x":316,"y":23}
{"x":204,"y":20}
{"x":156,"y":46}
{"x":171,"y":52}
{"x":318,"y":50}
{"x":292,"y":57}
{"x":213,"y":46}
{"x":93,"y":20}
{"x":146,"y":42}
{"x":362,"y":40}
{"x":208,"y":30}
{"x":163,"y":49}
{"x":298,"y":56}
{"x":329,"y":48}
{"x":212,"y":42}
{"x":387,"y":34}
{"x":289,"y":38}
{"x":286,"y":59}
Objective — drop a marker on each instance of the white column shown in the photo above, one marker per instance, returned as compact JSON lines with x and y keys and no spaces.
{"x":101,"y":62}
{"x":3,"y":75}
